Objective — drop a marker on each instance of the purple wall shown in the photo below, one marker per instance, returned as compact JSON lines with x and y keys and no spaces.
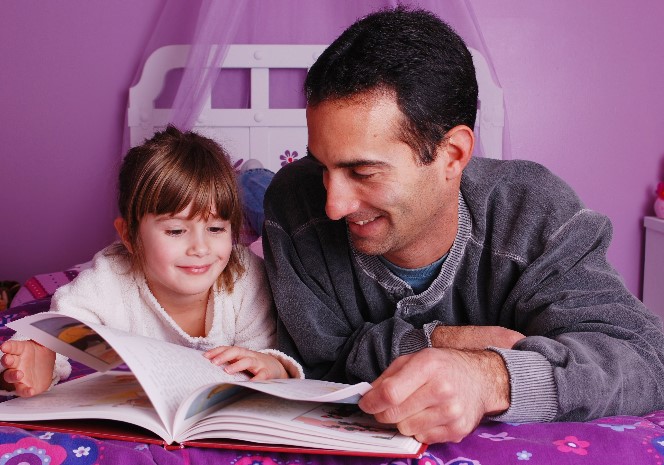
{"x":585,"y":97}
{"x":64,"y":75}
{"x":583,"y":88}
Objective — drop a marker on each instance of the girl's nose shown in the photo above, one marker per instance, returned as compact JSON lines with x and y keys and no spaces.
{"x":198,"y":245}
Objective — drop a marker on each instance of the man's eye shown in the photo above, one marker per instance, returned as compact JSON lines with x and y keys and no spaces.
{"x":362,"y":174}
{"x":175,"y":232}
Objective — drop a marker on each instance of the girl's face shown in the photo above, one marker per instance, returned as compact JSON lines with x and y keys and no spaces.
{"x":184,"y":257}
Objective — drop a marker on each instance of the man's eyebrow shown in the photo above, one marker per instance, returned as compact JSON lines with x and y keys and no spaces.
{"x":351,"y":163}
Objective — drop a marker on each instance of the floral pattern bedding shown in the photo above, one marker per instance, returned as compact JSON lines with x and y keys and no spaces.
{"x":619,"y":439}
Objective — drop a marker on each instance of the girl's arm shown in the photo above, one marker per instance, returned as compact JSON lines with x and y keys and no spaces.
{"x":255,"y":327}
{"x":261,"y":365}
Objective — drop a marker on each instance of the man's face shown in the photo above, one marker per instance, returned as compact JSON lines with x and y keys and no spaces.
{"x":393,"y":206}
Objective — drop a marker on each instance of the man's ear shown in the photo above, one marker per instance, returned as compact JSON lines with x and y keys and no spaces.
{"x":458,"y":143}
{"x":121,"y":227}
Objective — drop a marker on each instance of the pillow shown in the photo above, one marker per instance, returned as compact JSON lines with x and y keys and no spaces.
{"x":19,"y":311}
{"x":44,"y":285}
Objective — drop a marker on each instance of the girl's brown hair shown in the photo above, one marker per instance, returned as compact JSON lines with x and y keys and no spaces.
{"x":170,"y":171}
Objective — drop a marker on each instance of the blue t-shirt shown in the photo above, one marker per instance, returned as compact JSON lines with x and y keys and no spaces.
{"x":418,"y":279}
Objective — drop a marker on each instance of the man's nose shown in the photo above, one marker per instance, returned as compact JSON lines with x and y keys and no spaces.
{"x":341,"y":199}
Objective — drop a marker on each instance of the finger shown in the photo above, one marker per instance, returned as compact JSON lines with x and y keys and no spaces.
{"x":9,"y":361}
{"x":13,"y":376}
{"x":261,"y":374}
{"x":12,"y":347}
{"x":228,"y":355}
{"x":216,"y":351}
{"x":440,"y":395}
{"x":245,"y":363}
{"x":437,"y":434}
{"x":398,"y":382}
{"x":23,"y":390}
{"x":424,"y":430}
{"x":419,"y":415}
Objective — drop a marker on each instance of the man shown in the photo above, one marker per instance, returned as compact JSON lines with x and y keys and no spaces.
{"x":463,"y":289}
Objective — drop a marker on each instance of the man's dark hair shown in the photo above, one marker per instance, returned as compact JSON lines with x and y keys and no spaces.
{"x":413,"y":54}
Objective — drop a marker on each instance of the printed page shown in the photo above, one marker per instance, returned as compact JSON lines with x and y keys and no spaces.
{"x":113,"y":396}
{"x":177,"y":379}
{"x":70,"y":337}
{"x":167,"y":372}
{"x":265,"y":419}
{"x":214,"y":397}
{"x":311,"y":390}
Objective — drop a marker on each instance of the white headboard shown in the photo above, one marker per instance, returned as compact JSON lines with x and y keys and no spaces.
{"x":270,"y":134}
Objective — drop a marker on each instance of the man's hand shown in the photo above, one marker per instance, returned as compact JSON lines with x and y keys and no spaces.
{"x":28,"y":367}
{"x":439,"y":395}
{"x":474,"y":337}
{"x":262,"y":366}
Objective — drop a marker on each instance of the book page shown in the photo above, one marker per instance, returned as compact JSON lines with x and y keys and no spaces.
{"x":213,"y":397}
{"x":168,"y":372}
{"x":113,"y":396}
{"x":182,"y":385}
{"x":262,"y":418}
{"x":70,"y":337}
{"x":311,"y":390}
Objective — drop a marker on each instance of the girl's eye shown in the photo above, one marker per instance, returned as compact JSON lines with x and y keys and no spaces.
{"x":175,"y":232}
{"x":217,"y":229}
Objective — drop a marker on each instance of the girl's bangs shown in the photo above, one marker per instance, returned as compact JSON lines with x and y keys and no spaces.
{"x":205,"y":196}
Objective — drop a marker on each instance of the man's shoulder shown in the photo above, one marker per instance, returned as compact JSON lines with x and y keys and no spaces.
{"x":296,"y":194}
{"x":519,"y":204}
{"x":306,"y":170}
{"x":492,"y":172}
{"x":512,"y":180}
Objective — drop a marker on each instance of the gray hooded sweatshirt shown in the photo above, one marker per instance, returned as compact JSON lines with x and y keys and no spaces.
{"x":527,"y":256}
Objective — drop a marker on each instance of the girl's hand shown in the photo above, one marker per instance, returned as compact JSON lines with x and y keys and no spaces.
{"x":28,"y":367}
{"x":262,"y":366}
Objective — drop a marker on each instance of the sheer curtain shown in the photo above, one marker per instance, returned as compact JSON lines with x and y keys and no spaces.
{"x":217,"y":23}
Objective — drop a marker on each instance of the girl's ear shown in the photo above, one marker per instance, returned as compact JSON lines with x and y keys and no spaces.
{"x":458,"y":143}
{"x":121,"y":227}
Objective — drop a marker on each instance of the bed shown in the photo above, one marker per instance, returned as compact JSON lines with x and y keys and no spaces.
{"x":275,"y":137}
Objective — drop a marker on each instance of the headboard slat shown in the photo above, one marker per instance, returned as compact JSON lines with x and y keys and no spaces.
{"x":274,"y":135}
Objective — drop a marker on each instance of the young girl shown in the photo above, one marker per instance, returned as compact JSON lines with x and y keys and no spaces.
{"x":177,"y":274}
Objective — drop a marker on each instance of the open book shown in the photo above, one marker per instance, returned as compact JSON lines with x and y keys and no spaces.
{"x":180,"y":396}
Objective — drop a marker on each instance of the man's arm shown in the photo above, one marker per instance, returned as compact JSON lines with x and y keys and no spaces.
{"x":439,"y":395}
{"x":474,"y":337}
{"x":604,"y":349}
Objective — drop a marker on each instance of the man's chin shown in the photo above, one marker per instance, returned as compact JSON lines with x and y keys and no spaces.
{"x":368,"y":247}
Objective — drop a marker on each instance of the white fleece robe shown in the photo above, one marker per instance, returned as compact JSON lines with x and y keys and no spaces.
{"x":109,"y":293}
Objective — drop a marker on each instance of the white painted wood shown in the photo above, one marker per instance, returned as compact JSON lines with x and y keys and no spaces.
{"x":653,"y":267}
{"x":270,"y":134}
